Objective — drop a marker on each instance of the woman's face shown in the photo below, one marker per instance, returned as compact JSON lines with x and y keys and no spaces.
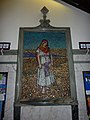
{"x":44,"y":44}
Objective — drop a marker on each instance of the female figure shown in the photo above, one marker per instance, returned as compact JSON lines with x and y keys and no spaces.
{"x":45,"y":76}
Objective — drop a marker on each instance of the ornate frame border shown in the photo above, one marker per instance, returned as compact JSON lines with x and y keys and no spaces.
{"x":45,"y":26}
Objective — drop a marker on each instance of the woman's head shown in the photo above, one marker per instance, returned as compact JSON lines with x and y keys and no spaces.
{"x":44,"y":46}
{"x":44,"y":43}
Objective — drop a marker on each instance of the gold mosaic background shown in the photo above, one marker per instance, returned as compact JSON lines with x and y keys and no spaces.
{"x":60,"y":89}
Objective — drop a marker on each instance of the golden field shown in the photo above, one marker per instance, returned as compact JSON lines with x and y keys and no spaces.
{"x":60,"y":89}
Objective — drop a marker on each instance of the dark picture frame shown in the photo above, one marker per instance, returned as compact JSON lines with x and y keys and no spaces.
{"x":86,"y":78}
{"x":3,"y":91}
{"x":60,"y":90}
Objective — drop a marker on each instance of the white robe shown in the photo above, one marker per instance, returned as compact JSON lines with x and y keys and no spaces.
{"x":42,"y":78}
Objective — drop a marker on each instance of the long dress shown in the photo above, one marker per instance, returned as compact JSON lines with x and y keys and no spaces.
{"x":45,"y":76}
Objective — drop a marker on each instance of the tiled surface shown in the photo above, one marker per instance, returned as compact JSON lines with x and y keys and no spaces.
{"x":8,"y":58}
{"x":79,"y":68}
{"x":82,"y":57}
{"x":11,"y":69}
{"x":80,"y":89}
{"x":46,"y":112}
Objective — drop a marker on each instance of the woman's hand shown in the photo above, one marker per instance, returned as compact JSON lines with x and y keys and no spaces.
{"x":40,"y":65}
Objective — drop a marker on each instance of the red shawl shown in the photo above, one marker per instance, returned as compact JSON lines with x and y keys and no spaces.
{"x":44,"y":49}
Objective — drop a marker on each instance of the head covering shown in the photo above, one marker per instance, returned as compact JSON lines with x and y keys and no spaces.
{"x":44,"y":41}
{"x":44,"y":49}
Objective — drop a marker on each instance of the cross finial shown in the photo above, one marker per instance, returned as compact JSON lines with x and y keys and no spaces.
{"x":44,"y":11}
{"x":44,"y":22}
